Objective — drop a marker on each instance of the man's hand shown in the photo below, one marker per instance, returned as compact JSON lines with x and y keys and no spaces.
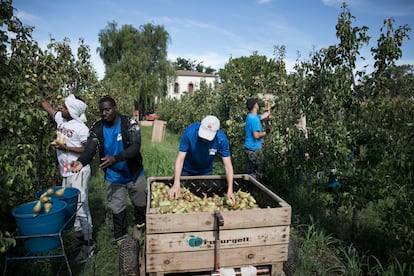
{"x":107,"y":161}
{"x":58,"y":145}
{"x":76,"y":166}
{"x":230,"y":195}
{"x":174,"y":192}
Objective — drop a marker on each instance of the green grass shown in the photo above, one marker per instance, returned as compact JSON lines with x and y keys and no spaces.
{"x":159,"y":157}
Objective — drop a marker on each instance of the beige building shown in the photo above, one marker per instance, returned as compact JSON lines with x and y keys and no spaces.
{"x":188,"y":82}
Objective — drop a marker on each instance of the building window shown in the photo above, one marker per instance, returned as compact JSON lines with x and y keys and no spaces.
{"x":176,"y":88}
{"x":190,"y":87}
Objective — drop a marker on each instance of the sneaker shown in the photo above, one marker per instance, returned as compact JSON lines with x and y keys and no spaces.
{"x":138,"y":230}
{"x":117,"y":241}
{"x":86,"y":252}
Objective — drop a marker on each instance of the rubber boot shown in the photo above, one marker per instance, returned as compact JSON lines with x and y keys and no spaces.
{"x":139,"y":227}
{"x":139,"y":214}
{"x":120,"y":225}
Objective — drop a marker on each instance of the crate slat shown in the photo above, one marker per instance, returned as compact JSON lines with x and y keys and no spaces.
{"x":198,"y":241}
{"x":203,"y":221}
{"x":204,"y":260}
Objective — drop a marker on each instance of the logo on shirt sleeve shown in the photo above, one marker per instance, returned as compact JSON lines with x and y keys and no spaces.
{"x":212,"y":151}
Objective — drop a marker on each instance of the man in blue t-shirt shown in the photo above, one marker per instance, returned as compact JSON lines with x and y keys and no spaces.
{"x":254,"y":138}
{"x":200,"y":144}
{"x":117,"y":138}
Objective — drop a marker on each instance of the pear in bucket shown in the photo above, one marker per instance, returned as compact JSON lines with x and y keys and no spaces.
{"x":37,"y":207}
{"x":45,"y":199}
{"x":48,"y":206}
{"x":60,"y":192}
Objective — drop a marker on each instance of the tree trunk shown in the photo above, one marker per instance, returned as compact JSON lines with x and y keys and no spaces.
{"x":309,"y":185}
{"x":355,"y":221}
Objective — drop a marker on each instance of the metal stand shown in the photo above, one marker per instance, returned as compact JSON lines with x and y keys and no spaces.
{"x":48,"y":256}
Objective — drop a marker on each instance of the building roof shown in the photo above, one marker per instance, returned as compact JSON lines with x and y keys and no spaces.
{"x":194,"y":74}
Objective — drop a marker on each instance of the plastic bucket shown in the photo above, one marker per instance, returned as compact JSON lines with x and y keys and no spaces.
{"x":70,"y":196}
{"x":31,"y":224}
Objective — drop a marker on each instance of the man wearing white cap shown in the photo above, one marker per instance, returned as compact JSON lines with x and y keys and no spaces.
{"x":71,"y":137}
{"x":200,"y":144}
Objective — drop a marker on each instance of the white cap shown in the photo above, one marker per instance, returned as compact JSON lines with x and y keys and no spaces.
{"x":208,"y":128}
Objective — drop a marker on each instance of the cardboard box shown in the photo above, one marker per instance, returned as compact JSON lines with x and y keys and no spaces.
{"x":190,"y":242}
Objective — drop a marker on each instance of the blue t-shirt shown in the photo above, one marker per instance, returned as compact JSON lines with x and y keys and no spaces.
{"x":201,"y":153}
{"x":253,"y":124}
{"x":118,"y":172}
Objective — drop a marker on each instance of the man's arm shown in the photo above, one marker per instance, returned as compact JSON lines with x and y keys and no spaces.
{"x":77,"y":149}
{"x":256,"y":125}
{"x":46,"y":106}
{"x":89,"y":149}
{"x":228,"y":167}
{"x":258,"y":134}
{"x":265,"y":115}
{"x":64,"y":147}
{"x":86,"y":157}
{"x":174,"y":191}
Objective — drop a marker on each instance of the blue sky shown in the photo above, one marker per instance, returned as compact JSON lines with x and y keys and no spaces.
{"x":212,"y":31}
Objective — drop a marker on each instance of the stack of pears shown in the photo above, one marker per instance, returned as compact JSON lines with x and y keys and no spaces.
{"x":189,"y":202}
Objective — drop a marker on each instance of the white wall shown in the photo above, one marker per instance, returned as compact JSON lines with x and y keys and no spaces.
{"x":184,"y":81}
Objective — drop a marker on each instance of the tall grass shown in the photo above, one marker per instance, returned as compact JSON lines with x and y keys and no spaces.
{"x":159,"y":157}
{"x":315,"y":253}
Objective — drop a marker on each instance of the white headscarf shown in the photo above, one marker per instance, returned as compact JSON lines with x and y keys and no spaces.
{"x":76,"y":108}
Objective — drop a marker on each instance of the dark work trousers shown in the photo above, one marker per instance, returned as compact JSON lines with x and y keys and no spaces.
{"x":117,"y":202}
{"x":255,"y":162}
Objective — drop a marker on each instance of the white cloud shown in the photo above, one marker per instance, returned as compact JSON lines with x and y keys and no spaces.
{"x":331,"y":3}
{"x":194,"y":26}
{"x":27,"y":17}
{"x":213,"y":59}
{"x":264,"y":1}
{"x":162,"y":20}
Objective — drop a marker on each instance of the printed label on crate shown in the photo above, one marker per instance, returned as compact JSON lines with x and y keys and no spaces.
{"x":194,"y":241}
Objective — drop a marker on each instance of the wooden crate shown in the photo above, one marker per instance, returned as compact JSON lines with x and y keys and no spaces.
{"x":158,"y":130}
{"x":177,"y":243}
